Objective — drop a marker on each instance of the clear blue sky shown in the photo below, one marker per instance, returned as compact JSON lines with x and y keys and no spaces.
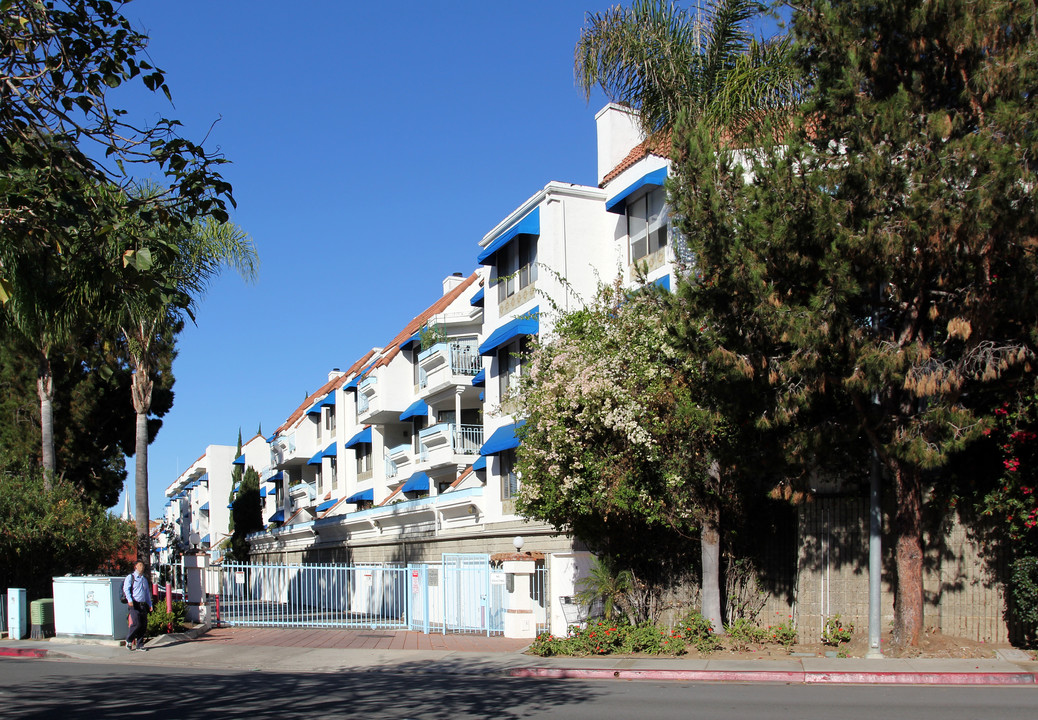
{"x":373,"y":145}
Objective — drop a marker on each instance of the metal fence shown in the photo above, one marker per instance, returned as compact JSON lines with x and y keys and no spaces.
{"x":357,"y":596}
{"x":458,"y":595}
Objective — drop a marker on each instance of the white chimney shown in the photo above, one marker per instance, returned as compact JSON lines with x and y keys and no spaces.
{"x":452,"y":281}
{"x":618,"y":133}
{"x":336,"y":372}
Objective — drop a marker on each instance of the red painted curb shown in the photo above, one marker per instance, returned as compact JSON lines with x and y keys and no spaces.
{"x":783,"y":676}
{"x":22,"y":652}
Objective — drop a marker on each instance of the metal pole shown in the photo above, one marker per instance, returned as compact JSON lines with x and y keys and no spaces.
{"x":875,"y":560}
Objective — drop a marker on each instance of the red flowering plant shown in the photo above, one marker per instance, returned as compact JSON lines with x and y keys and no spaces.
{"x":1012,"y":502}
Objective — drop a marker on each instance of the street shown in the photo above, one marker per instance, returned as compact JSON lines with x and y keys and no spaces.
{"x":50,"y":689}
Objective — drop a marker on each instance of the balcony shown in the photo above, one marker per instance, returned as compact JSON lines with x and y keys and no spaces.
{"x":447,"y":364}
{"x":447,"y":444}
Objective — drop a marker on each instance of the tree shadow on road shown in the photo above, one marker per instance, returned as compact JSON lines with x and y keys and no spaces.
{"x":408,"y":690}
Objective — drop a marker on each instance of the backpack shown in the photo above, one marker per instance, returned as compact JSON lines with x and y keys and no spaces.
{"x":122,"y":592}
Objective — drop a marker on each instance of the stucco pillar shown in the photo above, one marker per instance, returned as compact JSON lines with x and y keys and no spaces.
{"x":520,"y":613}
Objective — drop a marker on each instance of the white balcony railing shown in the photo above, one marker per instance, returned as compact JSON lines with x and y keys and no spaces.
{"x":468,"y":439}
{"x":391,"y":470}
{"x":362,"y":403}
{"x":465,"y":359}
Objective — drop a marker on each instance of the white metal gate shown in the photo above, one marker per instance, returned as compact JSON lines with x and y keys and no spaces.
{"x":471,"y":603}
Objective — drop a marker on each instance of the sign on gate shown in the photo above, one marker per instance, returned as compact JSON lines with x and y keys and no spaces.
{"x":239,"y":578}
{"x":498,"y":578}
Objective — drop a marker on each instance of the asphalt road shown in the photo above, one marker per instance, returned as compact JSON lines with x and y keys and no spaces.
{"x":60,"y":690}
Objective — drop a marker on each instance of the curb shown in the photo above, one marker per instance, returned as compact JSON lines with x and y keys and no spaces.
{"x":785,"y":676}
{"x":22,"y":652}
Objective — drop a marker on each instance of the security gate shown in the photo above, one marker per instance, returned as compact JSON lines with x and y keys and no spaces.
{"x":346,"y":596}
{"x":471,"y":602}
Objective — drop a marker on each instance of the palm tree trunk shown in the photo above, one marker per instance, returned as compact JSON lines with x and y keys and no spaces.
{"x":45,"y":390}
{"x":141,"y":389}
{"x":710,"y":548}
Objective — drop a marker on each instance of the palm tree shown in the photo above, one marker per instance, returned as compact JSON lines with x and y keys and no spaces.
{"x":50,"y":271}
{"x":664,"y":61}
{"x":167,"y":284}
{"x":669,"y":64}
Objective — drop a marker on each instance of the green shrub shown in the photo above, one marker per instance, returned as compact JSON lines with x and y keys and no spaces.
{"x":159,"y":621}
{"x":548,"y":645}
{"x":835,"y":633}
{"x":743,"y":634}
{"x":696,"y":630}
{"x":1023,"y":589}
{"x":785,"y":633}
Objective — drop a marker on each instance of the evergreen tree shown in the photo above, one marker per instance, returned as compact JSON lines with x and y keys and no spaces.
{"x":873,"y":273}
{"x":246,"y":515}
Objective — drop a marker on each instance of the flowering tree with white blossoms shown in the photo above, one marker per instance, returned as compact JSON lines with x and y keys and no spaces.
{"x":616,"y":449}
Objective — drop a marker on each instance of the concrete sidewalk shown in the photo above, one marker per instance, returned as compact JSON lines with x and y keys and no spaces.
{"x":318,"y":650}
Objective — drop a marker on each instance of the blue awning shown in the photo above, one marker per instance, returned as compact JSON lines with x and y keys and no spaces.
{"x":663,"y":282}
{"x":279,"y":516}
{"x":618,"y":203}
{"x":204,"y":479}
{"x":326,"y":505}
{"x":240,"y":460}
{"x":416,"y":409}
{"x":368,"y":495}
{"x":364,"y":436}
{"x":477,"y":299}
{"x":329,"y":401}
{"x":330,"y":451}
{"x":480,"y":464}
{"x":503,"y":439}
{"x":530,"y":224}
{"x":204,"y":507}
{"x":263,"y":492}
{"x":526,"y":324}
{"x":315,"y":410}
{"x":271,"y":438}
{"x":419,"y":482}
{"x":413,"y":340}
{"x":237,"y":487}
{"x":315,"y":459}
{"x":352,"y":384}
{"x":276,"y":477}
{"x":480,"y":378}
{"x":205,"y":539}
{"x":230,"y":505}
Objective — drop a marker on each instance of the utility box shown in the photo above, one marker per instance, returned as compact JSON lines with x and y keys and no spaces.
{"x":89,"y":607}
{"x":17,"y":615}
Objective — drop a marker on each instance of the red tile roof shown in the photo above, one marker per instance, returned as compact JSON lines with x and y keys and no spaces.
{"x":658,"y":145}
{"x":419,"y":321}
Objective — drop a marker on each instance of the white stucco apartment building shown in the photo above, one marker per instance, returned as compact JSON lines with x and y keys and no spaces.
{"x":409,"y":453}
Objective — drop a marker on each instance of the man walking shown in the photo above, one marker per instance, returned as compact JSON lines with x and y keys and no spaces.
{"x":138,"y":597}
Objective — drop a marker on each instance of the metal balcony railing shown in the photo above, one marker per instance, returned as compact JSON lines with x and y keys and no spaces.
{"x":391,"y":470}
{"x":468,"y":439}
{"x":465,"y":359}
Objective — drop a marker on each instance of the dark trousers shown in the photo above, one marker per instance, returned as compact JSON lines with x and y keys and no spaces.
{"x":138,"y":622}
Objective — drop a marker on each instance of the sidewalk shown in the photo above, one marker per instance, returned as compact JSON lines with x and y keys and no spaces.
{"x":320,"y":650}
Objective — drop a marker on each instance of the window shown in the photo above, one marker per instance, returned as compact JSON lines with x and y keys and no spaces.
{"x":509,"y":364}
{"x":509,"y":478}
{"x":334,"y":470}
{"x":647,"y":223}
{"x":516,"y":266}
{"x":329,"y":422}
{"x":318,"y":419}
{"x":363,"y":457}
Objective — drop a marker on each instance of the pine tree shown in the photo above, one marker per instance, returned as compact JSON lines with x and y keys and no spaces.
{"x":873,"y":273}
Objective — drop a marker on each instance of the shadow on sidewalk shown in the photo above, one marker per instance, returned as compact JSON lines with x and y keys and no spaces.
{"x":72,"y":691}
